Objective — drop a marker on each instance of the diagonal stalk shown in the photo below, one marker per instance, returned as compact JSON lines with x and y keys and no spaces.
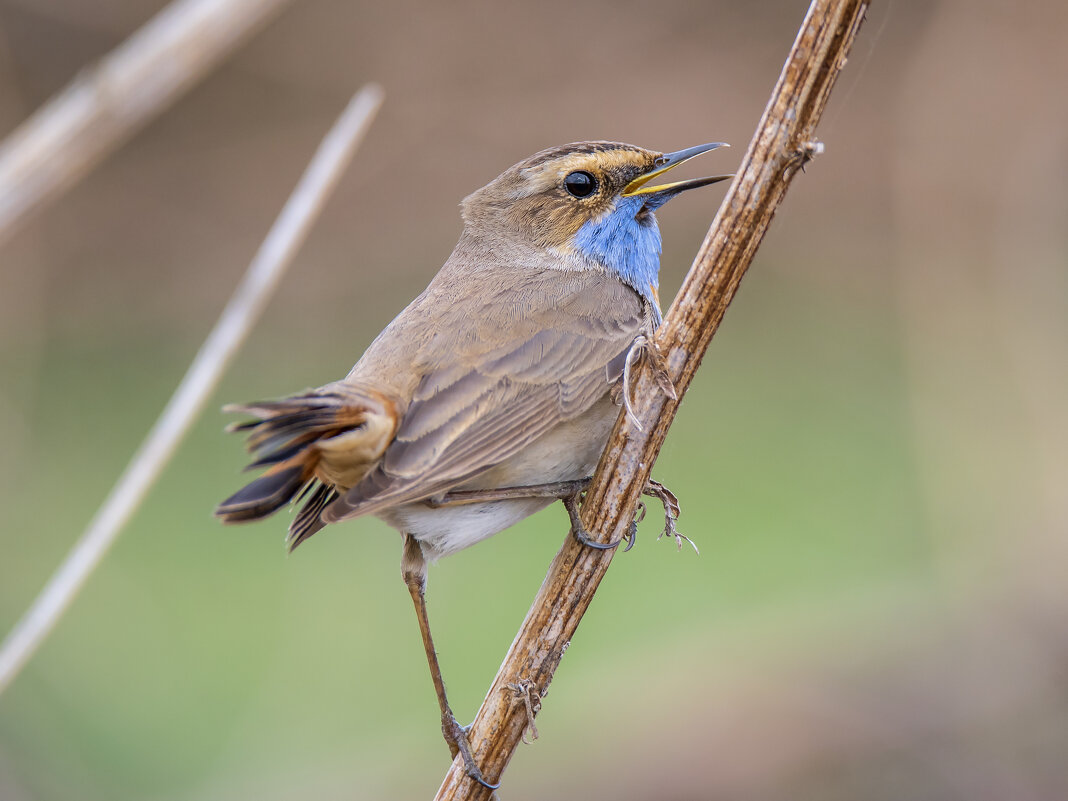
{"x":783,"y":142}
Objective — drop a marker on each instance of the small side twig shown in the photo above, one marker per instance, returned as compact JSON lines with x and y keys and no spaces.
{"x":107,"y":103}
{"x":789,"y":121}
{"x":233,"y":326}
{"x":525,"y":691}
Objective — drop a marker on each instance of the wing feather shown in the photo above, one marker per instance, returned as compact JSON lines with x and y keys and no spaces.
{"x":497,"y":380}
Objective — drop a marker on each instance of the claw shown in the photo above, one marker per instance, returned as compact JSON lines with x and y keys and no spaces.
{"x":473,"y":772}
{"x":632,"y":533}
{"x":456,"y":736}
{"x":584,"y":539}
{"x":579,"y":531}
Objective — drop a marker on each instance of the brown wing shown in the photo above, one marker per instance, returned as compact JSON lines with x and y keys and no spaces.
{"x":537,"y":353}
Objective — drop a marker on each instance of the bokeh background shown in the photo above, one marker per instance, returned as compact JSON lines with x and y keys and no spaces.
{"x":873,"y":459}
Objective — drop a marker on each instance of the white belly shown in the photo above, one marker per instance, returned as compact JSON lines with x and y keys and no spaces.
{"x":566,"y":453}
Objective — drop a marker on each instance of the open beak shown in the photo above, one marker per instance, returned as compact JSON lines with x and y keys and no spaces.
{"x":669,"y":161}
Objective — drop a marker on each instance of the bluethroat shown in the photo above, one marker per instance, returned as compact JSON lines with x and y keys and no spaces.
{"x":494,"y":392}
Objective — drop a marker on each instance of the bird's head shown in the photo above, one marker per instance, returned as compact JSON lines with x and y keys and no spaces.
{"x":593,"y":200}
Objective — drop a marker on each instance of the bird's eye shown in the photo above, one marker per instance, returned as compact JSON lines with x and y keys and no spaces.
{"x":580,"y":184}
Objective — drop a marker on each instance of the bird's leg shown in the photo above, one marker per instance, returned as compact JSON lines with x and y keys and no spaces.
{"x":567,"y":491}
{"x":413,"y":570}
{"x":579,"y":532}
{"x":570,"y":492}
{"x":555,"y":489}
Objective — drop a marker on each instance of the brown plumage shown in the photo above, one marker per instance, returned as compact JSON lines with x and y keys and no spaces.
{"x":497,"y":351}
{"x":493,"y":383}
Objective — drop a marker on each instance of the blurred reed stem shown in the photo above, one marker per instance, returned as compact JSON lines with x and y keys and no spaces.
{"x":237,"y":319}
{"x":106,"y":104}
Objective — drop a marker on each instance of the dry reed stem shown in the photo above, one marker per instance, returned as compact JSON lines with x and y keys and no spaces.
{"x":783,"y":142}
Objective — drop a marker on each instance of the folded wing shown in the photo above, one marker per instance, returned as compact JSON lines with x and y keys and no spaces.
{"x":530,"y":365}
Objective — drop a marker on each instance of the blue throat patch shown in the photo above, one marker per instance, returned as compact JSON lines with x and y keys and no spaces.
{"x":625,"y":245}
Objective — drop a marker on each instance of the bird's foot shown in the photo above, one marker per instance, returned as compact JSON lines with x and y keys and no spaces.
{"x":579,"y":532}
{"x":672,"y":510}
{"x":456,"y":737}
{"x":643,"y":347}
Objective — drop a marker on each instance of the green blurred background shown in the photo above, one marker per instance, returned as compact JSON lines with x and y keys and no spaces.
{"x":873,"y":459}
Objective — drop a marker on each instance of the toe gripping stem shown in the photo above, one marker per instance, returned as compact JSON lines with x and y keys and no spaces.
{"x":652,"y":489}
{"x":578,"y":530}
{"x":456,"y":736}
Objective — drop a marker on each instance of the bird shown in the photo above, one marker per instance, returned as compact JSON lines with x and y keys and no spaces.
{"x":493,"y":393}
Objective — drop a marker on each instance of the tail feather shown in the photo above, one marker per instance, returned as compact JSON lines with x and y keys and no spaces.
{"x":277,"y":456}
{"x":309,"y":519}
{"x":262,"y":497}
{"x":298,"y":440}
